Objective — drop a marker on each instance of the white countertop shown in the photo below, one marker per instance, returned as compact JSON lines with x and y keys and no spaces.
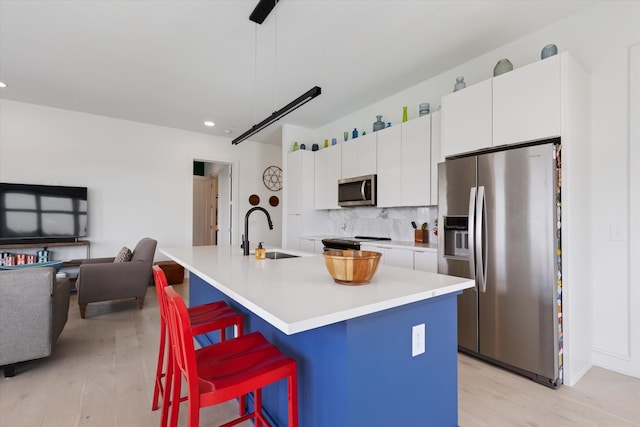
{"x":298,"y":294}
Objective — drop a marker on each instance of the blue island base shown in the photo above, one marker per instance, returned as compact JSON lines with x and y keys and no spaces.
{"x":360,"y":372}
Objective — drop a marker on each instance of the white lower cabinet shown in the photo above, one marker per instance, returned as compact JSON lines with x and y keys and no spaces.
{"x":311,"y":245}
{"x":399,"y":257}
{"x":426,"y":261}
{"x":392,"y":256}
{"x":307,"y":245}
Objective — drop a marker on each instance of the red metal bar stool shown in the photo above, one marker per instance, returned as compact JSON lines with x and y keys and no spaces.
{"x":224,"y":371}
{"x":215,"y":316}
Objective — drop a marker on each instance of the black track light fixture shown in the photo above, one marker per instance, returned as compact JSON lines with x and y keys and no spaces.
{"x":262,"y":10}
{"x":277,"y":115}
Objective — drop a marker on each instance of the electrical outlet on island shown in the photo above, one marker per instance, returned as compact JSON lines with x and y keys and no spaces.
{"x":418,"y":333}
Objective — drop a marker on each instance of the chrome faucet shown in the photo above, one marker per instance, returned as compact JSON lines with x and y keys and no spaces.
{"x":245,"y":236}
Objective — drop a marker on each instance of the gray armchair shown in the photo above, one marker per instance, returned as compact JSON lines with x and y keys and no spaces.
{"x":101,"y":279}
{"x":34,"y":307}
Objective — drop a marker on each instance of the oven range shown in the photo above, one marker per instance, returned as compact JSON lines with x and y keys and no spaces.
{"x":352,"y":243}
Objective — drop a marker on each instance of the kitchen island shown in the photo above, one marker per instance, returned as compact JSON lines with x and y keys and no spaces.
{"x":353,"y":344}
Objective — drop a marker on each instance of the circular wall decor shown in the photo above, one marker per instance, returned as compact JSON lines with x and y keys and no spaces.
{"x":272,"y":178}
{"x":254,"y":199}
{"x":274,"y":201}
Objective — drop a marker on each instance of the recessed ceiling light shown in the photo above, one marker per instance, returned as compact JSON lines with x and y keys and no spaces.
{"x":3,"y":84}
{"x":209,"y":123}
{"x":227,"y":131}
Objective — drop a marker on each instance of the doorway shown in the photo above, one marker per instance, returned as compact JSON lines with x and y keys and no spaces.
{"x":212,"y":207}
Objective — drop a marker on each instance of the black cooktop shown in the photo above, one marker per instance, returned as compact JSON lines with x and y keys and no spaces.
{"x":349,"y":242}
{"x":370,"y":238}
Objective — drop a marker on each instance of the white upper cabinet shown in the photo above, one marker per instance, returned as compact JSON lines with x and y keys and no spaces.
{"x":359,"y":156}
{"x":367,"y":154}
{"x":526,"y":103}
{"x":518,"y":106}
{"x":389,"y":166}
{"x":328,"y":170}
{"x":300,"y":182}
{"x":416,"y":162}
{"x":334,"y":173}
{"x":466,"y":119}
{"x":321,"y":166}
{"x":436,"y":152}
{"x":404,"y":164}
{"x":350,"y":159}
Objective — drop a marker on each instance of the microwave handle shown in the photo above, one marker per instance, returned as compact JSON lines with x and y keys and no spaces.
{"x":362,"y":187}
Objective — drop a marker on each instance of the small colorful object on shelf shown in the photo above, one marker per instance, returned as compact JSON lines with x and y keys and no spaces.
{"x":326,"y":143}
{"x":423,"y":109}
{"x":346,"y":136}
{"x":333,"y":141}
{"x":378,"y":124}
{"x":460,"y":84}
{"x":354,"y":134}
{"x":548,"y":50}
{"x":295,"y":146}
{"x":404,"y":114}
{"x":503,"y":66}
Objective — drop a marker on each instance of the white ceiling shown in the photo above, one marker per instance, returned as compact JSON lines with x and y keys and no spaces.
{"x":178,"y":63}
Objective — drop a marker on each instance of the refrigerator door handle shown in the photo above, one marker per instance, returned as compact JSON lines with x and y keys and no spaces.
{"x":471,"y":224}
{"x":481,"y":261}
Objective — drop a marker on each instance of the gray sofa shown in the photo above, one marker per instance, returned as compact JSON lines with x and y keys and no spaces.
{"x":101,"y":279}
{"x":34,"y":306}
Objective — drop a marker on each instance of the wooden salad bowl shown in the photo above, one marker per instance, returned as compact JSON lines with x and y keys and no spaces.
{"x":349,"y":267}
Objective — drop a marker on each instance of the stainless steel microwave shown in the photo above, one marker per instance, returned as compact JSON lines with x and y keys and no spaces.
{"x":358,"y":191}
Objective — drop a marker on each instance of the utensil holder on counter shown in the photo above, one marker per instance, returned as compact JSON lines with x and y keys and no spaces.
{"x":421,"y":236}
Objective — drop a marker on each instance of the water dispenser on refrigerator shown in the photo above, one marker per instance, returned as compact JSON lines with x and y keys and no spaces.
{"x":456,"y":236}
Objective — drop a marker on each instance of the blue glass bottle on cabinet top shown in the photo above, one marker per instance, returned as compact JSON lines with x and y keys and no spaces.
{"x":354,"y":134}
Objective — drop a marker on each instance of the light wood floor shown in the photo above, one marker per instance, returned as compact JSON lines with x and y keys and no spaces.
{"x":102,"y":369}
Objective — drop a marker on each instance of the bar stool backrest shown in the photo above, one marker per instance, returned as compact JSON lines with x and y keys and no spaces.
{"x":181,"y":338}
{"x":160,"y":281}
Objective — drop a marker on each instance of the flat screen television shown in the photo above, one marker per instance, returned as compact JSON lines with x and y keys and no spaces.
{"x":42,"y":213}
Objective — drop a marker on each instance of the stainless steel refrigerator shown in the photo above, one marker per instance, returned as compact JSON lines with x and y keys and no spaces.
{"x":500,"y":218}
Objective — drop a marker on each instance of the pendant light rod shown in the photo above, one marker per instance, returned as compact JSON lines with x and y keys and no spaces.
{"x":262,"y":10}
{"x":277,"y":115}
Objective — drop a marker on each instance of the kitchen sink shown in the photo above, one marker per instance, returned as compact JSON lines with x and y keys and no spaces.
{"x":280,"y":255}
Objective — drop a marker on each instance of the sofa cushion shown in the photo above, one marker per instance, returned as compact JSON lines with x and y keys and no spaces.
{"x":124,"y":255}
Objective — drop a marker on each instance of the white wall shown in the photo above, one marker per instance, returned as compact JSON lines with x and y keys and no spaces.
{"x":600,"y":39}
{"x":139,"y":176}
